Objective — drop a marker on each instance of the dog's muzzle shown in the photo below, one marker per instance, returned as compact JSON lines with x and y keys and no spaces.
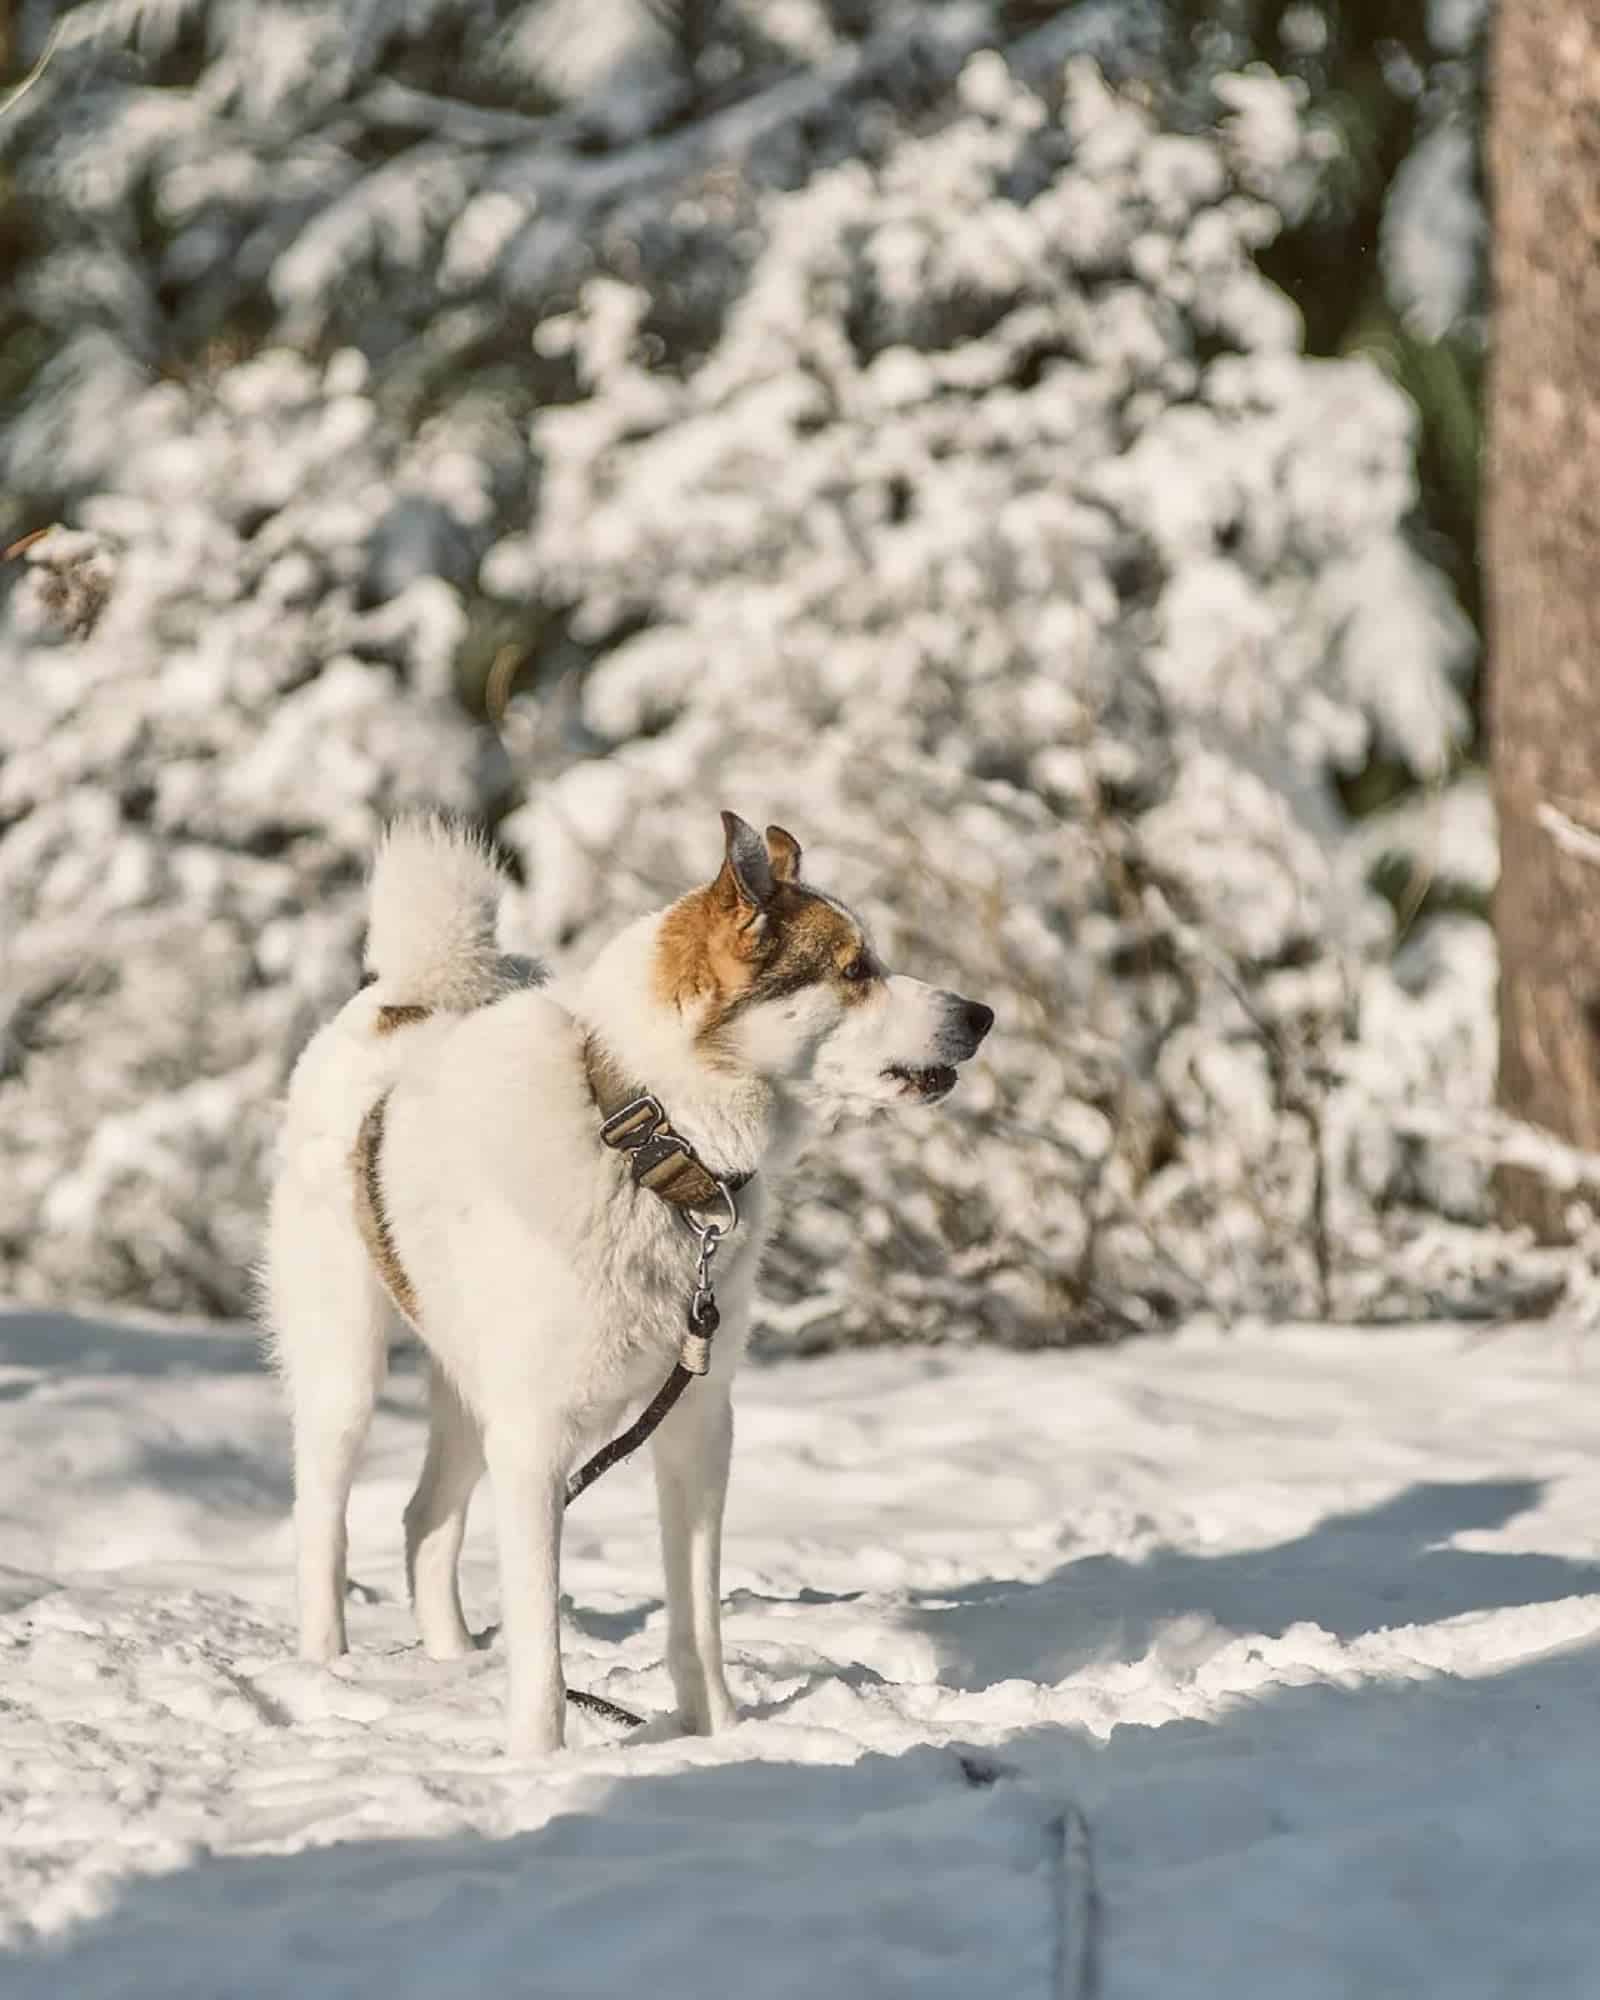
{"x":960,"y":1037}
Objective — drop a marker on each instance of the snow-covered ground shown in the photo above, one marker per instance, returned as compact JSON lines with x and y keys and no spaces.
{"x":1302,"y":1623}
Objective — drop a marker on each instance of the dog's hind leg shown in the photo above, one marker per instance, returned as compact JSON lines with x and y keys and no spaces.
{"x":330,"y":1427}
{"x":330,"y":1321}
{"x":692,"y":1451}
{"x":436,"y":1518}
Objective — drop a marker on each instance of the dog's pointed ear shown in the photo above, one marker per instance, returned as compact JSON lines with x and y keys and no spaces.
{"x":745,"y":882}
{"x":783,"y":854}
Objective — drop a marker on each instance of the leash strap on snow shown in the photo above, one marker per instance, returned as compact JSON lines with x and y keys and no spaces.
{"x":597,"y":1704}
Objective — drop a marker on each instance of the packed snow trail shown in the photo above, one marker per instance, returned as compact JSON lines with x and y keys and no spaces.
{"x":1303,"y":1621}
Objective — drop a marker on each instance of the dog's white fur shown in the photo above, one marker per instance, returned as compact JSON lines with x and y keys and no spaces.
{"x":552,"y":1290}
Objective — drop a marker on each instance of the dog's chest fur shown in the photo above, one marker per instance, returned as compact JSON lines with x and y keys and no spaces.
{"x":504,"y":1206}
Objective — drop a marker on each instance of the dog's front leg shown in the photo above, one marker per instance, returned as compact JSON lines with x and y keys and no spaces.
{"x":527,"y":1477}
{"x":692,"y":1451}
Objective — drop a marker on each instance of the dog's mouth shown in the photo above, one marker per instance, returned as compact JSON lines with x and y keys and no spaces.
{"x":923,"y":1085}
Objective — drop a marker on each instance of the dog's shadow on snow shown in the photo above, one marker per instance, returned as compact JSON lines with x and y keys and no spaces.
{"x":1390,"y":1565}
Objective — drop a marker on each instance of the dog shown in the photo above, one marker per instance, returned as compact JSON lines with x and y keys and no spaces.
{"x":444,"y":1157}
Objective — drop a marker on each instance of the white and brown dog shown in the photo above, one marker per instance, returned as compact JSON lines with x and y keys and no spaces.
{"x":443,"y":1154}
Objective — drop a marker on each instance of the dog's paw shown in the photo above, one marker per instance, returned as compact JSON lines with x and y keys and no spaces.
{"x":448,"y":1642}
{"x":536,"y":1728}
{"x":708,"y":1715}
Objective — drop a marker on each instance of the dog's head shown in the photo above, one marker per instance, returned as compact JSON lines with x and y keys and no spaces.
{"x":782,"y":980}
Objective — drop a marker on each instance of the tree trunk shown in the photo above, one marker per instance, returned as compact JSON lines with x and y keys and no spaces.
{"x":1542,"y":562}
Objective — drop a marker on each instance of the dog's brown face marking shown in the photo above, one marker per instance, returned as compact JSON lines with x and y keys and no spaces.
{"x":755,"y":935}
{"x":811,"y":939}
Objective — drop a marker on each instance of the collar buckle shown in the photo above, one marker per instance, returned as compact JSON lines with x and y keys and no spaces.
{"x":633,"y":1124}
{"x":659,"y":1157}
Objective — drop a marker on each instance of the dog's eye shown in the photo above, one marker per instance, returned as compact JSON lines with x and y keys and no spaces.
{"x":858,"y":968}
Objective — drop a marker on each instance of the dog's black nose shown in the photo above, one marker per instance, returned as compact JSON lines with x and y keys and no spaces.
{"x":976,"y":1019}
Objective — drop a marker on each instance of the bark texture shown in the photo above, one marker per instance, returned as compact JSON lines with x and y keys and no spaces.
{"x":1542,"y":559}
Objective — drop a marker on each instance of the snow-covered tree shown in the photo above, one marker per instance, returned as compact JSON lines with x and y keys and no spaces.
{"x":1006,"y":546}
{"x":189,"y":794}
{"x":812,"y":410}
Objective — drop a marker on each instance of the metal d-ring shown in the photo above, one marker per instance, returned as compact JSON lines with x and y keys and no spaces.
{"x":711,"y":1233}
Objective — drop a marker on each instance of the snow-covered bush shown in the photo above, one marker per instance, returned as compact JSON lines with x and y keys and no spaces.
{"x":189,"y":795}
{"x":1006,"y":548}
{"x":186,"y":179}
{"x":925,"y":463}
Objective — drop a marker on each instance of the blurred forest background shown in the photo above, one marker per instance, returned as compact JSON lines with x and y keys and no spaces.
{"x":1063,"y":420}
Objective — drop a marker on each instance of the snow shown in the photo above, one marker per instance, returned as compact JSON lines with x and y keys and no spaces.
{"x":1301,"y":1620}
{"x":1452,"y":24}
{"x":1434,"y":232}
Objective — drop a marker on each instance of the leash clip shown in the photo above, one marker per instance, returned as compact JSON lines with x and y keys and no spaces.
{"x":703,"y":1316}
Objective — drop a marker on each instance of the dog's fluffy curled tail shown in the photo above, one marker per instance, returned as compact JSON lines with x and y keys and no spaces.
{"x":433,"y":901}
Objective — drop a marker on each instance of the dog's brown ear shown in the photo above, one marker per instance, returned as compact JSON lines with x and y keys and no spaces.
{"x":745,"y":882}
{"x":783,"y":852}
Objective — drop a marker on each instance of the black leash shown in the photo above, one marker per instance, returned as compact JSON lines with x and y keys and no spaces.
{"x":607,"y":1456}
{"x":598,"y":1705}
{"x":630,"y":1440}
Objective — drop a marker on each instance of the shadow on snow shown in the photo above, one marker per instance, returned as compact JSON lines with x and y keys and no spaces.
{"x":1457,"y":1818}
